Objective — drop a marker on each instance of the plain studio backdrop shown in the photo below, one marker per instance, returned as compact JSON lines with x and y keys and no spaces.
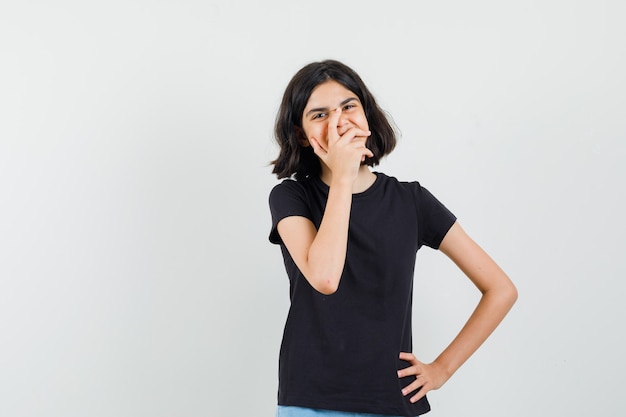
{"x":136,"y":277}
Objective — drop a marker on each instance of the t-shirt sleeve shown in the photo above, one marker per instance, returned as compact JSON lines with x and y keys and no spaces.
{"x":286,"y":199}
{"x":434,"y":219}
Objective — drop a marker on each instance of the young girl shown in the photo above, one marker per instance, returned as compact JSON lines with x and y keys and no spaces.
{"x":349,"y":238}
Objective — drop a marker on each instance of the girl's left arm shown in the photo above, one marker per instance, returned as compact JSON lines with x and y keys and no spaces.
{"x":498,"y":296}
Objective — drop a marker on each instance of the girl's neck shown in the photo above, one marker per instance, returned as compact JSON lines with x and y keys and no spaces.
{"x":363,"y":181}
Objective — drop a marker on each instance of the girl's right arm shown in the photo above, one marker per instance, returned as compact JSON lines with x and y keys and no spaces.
{"x":320,"y":254}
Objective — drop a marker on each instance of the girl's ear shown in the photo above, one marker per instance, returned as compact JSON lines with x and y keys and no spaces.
{"x":301,"y":137}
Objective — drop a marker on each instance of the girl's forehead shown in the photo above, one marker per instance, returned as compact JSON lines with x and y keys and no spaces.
{"x":327,"y":93}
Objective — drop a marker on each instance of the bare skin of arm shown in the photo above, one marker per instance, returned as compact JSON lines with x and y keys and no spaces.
{"x":498,"y":296}
{"x":321,"y":254}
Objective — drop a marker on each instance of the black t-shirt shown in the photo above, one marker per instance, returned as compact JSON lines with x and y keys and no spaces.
{"x":340,"y":351}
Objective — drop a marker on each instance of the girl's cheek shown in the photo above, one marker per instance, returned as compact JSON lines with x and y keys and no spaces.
{"x":323,"y":132}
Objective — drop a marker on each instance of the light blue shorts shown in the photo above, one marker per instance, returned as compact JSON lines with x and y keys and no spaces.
{"x":289,"y":411}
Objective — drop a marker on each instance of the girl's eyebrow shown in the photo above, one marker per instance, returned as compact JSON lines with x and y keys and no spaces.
{"x":343,"y":103}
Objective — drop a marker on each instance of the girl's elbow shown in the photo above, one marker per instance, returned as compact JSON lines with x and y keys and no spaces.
{"x":327,"y":286}
{"x":505,"y":295}
{"x":510,"y":294}
{"x":324,"y":277}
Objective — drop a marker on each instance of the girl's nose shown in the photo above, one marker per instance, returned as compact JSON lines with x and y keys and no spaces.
{"x":343,"y":120}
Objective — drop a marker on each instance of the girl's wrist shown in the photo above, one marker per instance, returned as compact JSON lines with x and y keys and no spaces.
{"x":339,"y":183}
{"x":442,"y":368}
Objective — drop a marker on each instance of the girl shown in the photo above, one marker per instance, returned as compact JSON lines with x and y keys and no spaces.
{"x":349,"y":238}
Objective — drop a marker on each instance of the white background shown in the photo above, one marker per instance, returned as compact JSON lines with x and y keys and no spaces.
{"x":136,"y":278}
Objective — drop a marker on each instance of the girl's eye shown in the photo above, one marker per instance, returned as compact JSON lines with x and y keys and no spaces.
{"x":349,"y":106}
{"x":319,"y":116}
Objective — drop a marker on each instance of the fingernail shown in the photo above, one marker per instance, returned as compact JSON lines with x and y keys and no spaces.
{"x":404,"y":392}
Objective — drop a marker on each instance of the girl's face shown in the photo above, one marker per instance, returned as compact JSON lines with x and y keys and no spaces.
{"x":325,"y":98}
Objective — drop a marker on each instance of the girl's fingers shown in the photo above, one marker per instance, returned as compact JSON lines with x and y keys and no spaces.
{"x":413,"y":386}
{"x":419,"y":395}
{"x":333,"y":119}
{"x":317,"y":148}
{"x":342,"y":139}
{"x":358,"y":138}
{"x":355,"y":133}
{"x":409,"y":357}
{"x":366,"y":153}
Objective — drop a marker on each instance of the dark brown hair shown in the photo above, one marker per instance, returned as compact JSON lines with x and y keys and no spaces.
{"x":300,"y":161}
